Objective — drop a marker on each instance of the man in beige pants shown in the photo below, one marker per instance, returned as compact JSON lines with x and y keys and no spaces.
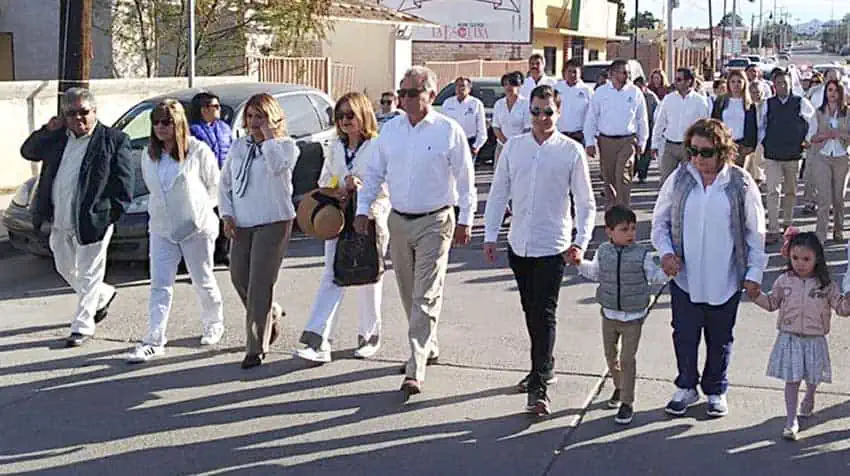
{"x":425,"y":161}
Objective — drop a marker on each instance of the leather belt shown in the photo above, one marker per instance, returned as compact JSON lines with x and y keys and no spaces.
{"x":414,"y":216}
{"x":627,"y":136}
{"x":674,"y":142}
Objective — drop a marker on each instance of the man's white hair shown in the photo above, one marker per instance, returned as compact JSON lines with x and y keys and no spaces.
{"x":424,"y":75}
{"x":73,"y":95}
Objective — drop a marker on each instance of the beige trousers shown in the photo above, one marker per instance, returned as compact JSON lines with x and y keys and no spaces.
{"x":617,"y":161}
{"x":620,"y":340}
{"x":671,"y":157}
{"x":781,"y":181}
{"x":830,"y":180}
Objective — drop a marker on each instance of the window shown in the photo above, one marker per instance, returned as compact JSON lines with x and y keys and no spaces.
{"x":301,"y":118}
{"x":592,"y":55}
{"x":550,"y":55}
{"x":136,"y":123}
{"x":324,"y":109}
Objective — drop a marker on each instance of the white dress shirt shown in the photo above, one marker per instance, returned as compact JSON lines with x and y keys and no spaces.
{"x":654,"y":275}
{"x":676,"y":114}
{"x":807,"y":112}
{"x":538,"y":179}
{"x":335,"y":170}
{"x":426,"y":167}
{"x":617,"y":112}
{"x":529,"y":85}
{"x":833,"y":147}
{"x":514,"y":121}
{"x":735,"y":117}
{"x":708,"y":271}
{"x":471,"y":117}
{"x":575,"y":100}
{"x":268,"y":195}
{"x":67,"y":179}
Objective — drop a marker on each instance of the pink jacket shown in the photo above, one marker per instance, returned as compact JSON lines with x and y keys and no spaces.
{"x":804,"y":308}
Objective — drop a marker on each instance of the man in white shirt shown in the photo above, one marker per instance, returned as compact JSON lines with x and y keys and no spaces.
{"x":536,"y":75}
{"x":537,"y":172}
{"x":424,"y":159}
{"x":469,"y":112}
{"x":388,"y":109}
{"x":754,"y":74}
{"x":575,"y":101}
{"x":677,"y":112}
{"x":618,"y":123}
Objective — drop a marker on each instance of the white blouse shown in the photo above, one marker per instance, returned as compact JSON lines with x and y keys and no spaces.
{"x":335,"y":170}
{"x":514,"y":121}
{"x":734,"y":116}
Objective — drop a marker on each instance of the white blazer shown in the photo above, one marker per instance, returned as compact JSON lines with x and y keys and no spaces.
{"x":335,"y":170}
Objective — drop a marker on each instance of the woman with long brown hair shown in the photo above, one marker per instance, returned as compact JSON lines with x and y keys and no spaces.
{"x":356,"y":128}
{"x":255,"y":201}
{"x":737,"y":110}
{"x":182,"y":176}
{"x":830,"y":148}
{"x":659,"y":84}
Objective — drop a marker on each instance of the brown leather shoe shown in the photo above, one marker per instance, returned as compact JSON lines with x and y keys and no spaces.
{"x":411,"y":387}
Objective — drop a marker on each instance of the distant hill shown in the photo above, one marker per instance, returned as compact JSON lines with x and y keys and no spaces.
{"x":809,"y":28}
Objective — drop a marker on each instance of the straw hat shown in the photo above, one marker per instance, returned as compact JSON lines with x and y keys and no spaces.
{"x":320,"y":215}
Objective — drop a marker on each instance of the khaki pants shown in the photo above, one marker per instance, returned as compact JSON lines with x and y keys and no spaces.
{"x":420,"y":252}
{"x":670,"y":159}
{"x":616,"y":161}
{"x":781,"y":173}
{"x":755,"y":164}
{"x":830,"y":180}
{"x":255,"y":257}
{"x":620,"y":340}
{"x":743,"y":157}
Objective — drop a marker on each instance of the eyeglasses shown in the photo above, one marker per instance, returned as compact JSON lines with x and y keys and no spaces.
{"x":386,"y":102}
{"x":344,"y":115}
{"x":704,"y":153}
{"x":548,"y":111}
{"x":165,"y":121}
{"x":212,"y":106}
{"x":77,"y":112}
{"x":410,"y":92}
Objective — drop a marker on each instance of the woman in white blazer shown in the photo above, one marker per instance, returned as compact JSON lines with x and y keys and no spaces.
{"x":182,"y":176}
{"x":356,"y":128}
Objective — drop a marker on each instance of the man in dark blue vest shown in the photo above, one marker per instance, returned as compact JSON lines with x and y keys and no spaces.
{"x":787,"y":124}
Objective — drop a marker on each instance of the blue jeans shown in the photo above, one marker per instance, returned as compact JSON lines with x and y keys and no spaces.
{"x":690,"y":322}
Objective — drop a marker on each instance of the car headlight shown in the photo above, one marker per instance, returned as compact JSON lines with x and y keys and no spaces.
{"x":22,"y":195}
{"x":138,"y":205}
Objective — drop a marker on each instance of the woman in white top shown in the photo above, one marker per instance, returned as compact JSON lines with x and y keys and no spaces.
{"x":737,"y":110}
{"x":511,"y":115}
{"x":182,"y":176}
{"x":356,"y":128}
{"x":255,"y":202}
{"x":829,"y":160}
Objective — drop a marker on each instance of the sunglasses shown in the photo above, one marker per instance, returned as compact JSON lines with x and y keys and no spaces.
{"x":165,"y":121}
{"x":548,"y":111}
{"x":386,"y":102}
{"x":77,"y":112}
{"x":704,"y":153}
{"x":212,"y":106}
{"x":410,"y":92}
{"x":344,"y":115}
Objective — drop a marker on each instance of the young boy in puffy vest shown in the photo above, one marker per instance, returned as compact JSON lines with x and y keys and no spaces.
{"x":625,"y":270}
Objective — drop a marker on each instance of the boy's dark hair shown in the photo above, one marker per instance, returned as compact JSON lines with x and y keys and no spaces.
{"x":545,"y":91}
{"x":619,"y":214}
{"x":810,"y":240}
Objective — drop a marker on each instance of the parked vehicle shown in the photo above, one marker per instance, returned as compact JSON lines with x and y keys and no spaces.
{"x":734,"y":64}
{"x":591,"y":70}
{"x":488,"y":90}
{"x":309,"y":121}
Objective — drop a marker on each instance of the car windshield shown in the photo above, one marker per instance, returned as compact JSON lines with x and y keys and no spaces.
{"x":738,"y":63}
{"x":487,"y":91}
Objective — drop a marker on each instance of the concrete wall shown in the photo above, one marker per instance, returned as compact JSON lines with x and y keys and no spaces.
{"x":27,"y":105}
{"x":370,"y":47}
{"x":423,"y":52}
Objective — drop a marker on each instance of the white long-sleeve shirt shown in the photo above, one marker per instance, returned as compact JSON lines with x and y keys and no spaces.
{"x":708,"y":271}
{"x":268,"y":195}
{"x":735,"y":117}
{"x":617,"y":112}
{"x":833,"y":147}
{"x":807,"y":112}
{"x":654,"y":274}
{"x":67,"y":179}
{"x":426,"y":167}
{"x":676,"y":114}
{"x":529,"y":85}
{"x":514,"y":121}
{"x":335,"y":170}
{"x":470,"y":115}
{"x":575,"y":101}
{"x":538,"y":179}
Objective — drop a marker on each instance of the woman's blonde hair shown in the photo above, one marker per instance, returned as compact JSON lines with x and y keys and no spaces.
{"x":362,"y":109}
{"x":268,"y":106}
{"x":173,"y":110}
{"x":719,"y":134}
{"x":748,"y":99}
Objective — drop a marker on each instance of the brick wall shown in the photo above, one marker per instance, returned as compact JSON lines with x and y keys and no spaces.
{"x":427,"y":51}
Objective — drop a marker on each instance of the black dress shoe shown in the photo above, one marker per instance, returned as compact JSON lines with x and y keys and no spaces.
{"x":411,"y":387}
{"x":76,"y":339}
{"x":101,"y":313}
{"x":252,"y":361}
{"x":431,"y":361}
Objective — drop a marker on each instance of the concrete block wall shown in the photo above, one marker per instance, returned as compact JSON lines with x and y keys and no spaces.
{"x":427,"y":51}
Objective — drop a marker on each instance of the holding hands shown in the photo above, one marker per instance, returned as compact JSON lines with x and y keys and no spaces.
{"x":671,"y":264}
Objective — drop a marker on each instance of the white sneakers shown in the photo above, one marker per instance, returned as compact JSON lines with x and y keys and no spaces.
{"x":145,"y":352}
{"x":212,"y":335}
{"x":791,"y":433}
{"x":367,"y":350}
{"x":313,"y":355}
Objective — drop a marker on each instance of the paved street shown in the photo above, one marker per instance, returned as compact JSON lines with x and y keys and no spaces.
{"x":86,"y":411}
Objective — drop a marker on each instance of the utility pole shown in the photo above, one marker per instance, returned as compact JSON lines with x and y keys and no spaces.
{"x":74,"y":46}
{"x":761,"y":25}
{"x":191,"y":43}
{"x":723,"y":34}
{"x":637,"y":13}
{"x":734,"y":40}
{"x":711,"y":40}
{"x":671,"y":4}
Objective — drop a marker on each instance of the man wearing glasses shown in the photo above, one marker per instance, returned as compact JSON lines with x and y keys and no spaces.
{"x":388,"y":110}
{"x":617,"y":122}
{"x":86,"y":184}
{"x":208,"y":127}
{"x":538,"y":171}
{"x":675,"y":115}
{"x":425,"y":161}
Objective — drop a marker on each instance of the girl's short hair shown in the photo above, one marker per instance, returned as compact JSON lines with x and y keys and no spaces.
{"x":173,"y":110}
{"x":362,"y":109}
{"x":268,"y":106}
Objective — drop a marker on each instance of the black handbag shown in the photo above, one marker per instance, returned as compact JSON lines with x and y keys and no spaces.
{"x":358,"y":258}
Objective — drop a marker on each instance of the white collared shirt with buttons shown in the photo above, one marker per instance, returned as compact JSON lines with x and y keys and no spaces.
{"x":512,"y":121}
{"x":807,"y":112}
{"x":833,"y":147}
{"x":470,"y":115}
{"x":708,"y":273}
{"x":575,"y":100}
{"x":67,"y":178}
{"x":676,"y":114}
{"x":538,"y":179}
{"x":529,"y":85}
{"x":617,"y":112}
{"x":426,"y":167}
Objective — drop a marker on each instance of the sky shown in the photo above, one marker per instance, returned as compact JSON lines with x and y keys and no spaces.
{"x":694,"y":13}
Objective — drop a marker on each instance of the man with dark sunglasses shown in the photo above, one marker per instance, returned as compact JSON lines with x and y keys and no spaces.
{"x":388,"y":109}
{"x":86,"y":184}
{"x":208,"y":127}
{"x":538,"y":172}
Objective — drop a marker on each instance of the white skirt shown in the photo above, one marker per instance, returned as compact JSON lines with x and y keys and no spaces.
{"x":796,"y":358}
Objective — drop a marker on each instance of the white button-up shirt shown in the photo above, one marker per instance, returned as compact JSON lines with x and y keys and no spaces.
{"x":538,"y":179}
{"x":514,"y":121}
{"x":617,"y":112}
{"x":66,"y":181}
{"x":529,"y":85}
{"x":676,"y":114}
{"x":426,"y":167}
{"x":575,"y":100}
{"x":833,"y":147}
{"x":807,"y":112}
{"x":708,"y":273}
{"x":654,"y":275}
{"x":471,"y":117}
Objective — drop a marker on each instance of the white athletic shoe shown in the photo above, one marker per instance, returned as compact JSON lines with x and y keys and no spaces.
{"x":212,"y":335}
{"x":145,"y":352}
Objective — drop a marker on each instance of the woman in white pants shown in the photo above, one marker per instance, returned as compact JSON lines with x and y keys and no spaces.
{"x":356,"y":128}
{"x":182,"y":176}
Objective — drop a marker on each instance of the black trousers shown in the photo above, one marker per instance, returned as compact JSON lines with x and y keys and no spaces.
{"x":539,"y":282}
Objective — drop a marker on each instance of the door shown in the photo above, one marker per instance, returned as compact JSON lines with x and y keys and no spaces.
{"x":7,"y":57}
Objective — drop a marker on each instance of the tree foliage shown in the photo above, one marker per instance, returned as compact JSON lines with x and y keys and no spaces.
{"x":727,"y":20}
{"x":645,"y":19}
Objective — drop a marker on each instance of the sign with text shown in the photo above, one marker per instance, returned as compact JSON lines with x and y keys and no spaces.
{"x":469,"y":21}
